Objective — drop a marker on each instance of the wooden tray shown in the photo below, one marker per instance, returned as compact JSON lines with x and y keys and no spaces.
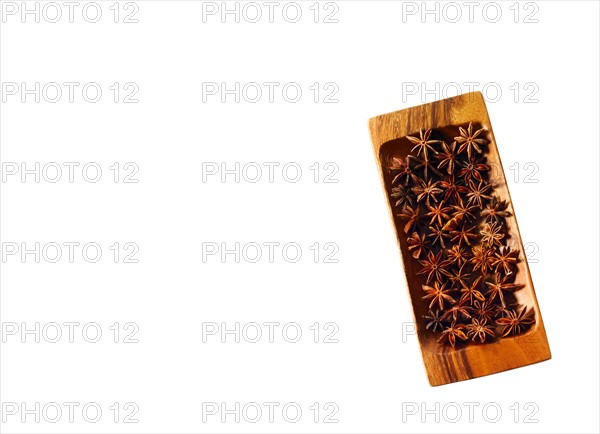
{"x":443,"y":363}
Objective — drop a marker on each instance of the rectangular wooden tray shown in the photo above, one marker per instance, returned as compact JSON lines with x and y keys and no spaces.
{"x":443,"y":363}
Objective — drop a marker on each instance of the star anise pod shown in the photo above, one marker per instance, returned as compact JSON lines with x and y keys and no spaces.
{"x":459,"y":277}
{"x":417,"y":243}
{"x":434,"y":320}
{"x":452,"y":190}
{"x":483,"y":310}
{"x":426,"y":191}
{"x":478,"y":192}
{"x":463,"y":212}
{"x":411,"y":217}
{"x":495,"y":211}
{"x":472,"y":291}
{"x":464,"y":234}
{"x":434,"y":267}
{"x":502,"y":311}
{"x":505,"y":258}
{"x":438,"y":234}
{"x":457,"y":255}
{"x":515,"y":322}
{"x":492,"y":234}
{"x":425,"y":164}
{"x":437,"y":294}
{"x":460,"y":309}
{"x":473,"y":169}
{"x":402,"y":170}
{"x":478,"y":329}
{"x":396,"y":163}
{"x":447,"y":157}
{"x":469,"y":140}
{"x":453,"y":332}
{"x":499,"y":286}
{"x":482,"y":258}
{"x":438,"y":212}
{"x":402,"y":196}
{"x":422,"y":144}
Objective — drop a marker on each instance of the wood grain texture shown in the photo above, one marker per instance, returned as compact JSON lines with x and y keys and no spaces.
{"x":443,"y":363}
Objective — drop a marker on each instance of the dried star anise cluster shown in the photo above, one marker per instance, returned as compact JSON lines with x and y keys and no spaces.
{"x":457,"y":233}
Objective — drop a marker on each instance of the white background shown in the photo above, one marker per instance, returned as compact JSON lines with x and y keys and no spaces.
{"x":379,"y":57}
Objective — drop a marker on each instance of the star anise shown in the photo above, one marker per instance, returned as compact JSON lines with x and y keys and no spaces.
{"x":502,"y":311}
{"x":499,"y":286}
{"x":478,"y":329}
{"x":396,"y":163}
{"x":402,"y":196}
{"x":425,"y":164}
{"x":482,"y":258}
{"x":457,"y":255}
{"x":463,"y":212}
{"x":411,"y":217}
{"x":495,"y":211}
{"x":483,"y":310}
{"x":422,"y":144}
{"x":472,"y":291}
{"x":464,"y":234}
{"x":452,"y":190}
{"x":447,"y":157}
{"x":437,"y":294}
{"x":438,"y":212}
{"x":451,"y":333}
{"x":505,"y":258}
{"x":417,"y":243}
{"x":458,"y":277}
{"x":515,"y":322}
{"x":460,"y":309}
{"x":426,"y":191}
{"x":434,"y":320}
{"x":492,"y":234}
{"x":478,"y":192}
{"x":434,"y":267}
{"x":402,"y":170}
{"x":438,"y":234}
{"x":473,"y":169}
{"x":469,"y":140}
